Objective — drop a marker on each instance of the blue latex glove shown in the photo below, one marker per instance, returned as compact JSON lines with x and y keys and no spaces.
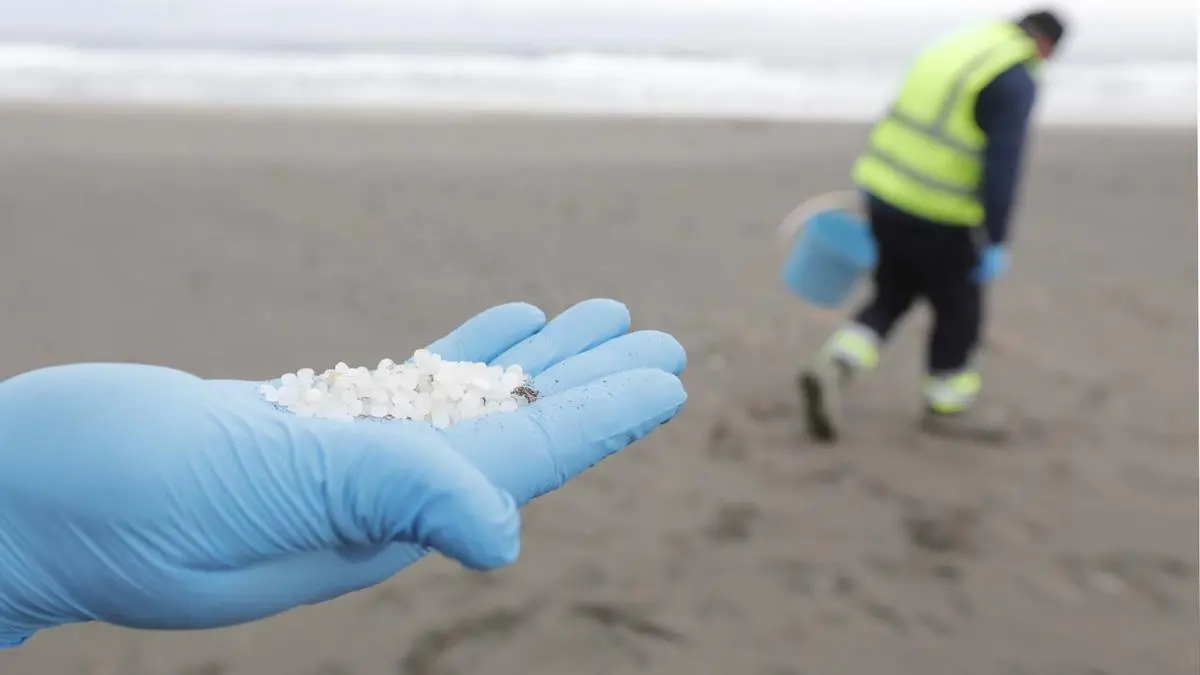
{"x":150,"y":498}
{"x":992,"y":264}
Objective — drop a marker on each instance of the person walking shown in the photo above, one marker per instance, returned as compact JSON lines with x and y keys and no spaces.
{"x":939,"y":178}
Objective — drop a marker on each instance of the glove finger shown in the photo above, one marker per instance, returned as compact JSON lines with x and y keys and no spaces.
{"x":489,"y":333}
{"x":386,"y":483}
{"x":640,"y":349}
{"x":579,"y":328}
{"x":538,"y":448}
{"x":307,"y":485}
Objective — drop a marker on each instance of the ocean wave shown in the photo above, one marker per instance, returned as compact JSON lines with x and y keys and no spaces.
{"x":1129,"y":91}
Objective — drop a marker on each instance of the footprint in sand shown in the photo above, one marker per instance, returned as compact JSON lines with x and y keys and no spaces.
{"x":944,"y":530}
{"x":733,"y":522}
{"x":725,"y":442}
{"x":425,"y":655}
{"x":623,"y":618}
{"x":1158,"y":580}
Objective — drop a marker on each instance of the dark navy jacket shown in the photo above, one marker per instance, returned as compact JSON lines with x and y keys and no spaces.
{"x":1002,"y":111}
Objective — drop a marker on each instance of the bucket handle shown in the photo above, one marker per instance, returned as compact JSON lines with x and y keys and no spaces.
{"x":846,"y":200}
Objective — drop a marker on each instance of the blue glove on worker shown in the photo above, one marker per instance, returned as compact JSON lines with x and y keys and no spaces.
{"x":992,"y":264}
{"x":150,"y":498}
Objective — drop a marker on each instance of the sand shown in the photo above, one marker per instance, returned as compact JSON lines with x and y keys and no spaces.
{"x":726,"y":543}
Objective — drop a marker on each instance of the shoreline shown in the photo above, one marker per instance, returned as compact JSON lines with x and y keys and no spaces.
{"x":410,"y":114}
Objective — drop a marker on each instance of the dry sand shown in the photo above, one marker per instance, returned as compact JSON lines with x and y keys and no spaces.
{"x":246,"y":245}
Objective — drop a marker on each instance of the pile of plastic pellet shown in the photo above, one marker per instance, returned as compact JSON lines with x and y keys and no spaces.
{"x":426,"y":387}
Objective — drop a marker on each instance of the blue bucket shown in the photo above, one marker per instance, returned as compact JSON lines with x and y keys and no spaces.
{"x":833,"y":251}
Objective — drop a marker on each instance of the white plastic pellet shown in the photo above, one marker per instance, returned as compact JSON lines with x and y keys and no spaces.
{"x":425,"y":387}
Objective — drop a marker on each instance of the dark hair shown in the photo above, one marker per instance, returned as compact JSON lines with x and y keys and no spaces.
{"x":1044,"y":23}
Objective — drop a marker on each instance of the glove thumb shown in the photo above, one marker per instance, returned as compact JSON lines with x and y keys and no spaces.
{"x":401,"y":482}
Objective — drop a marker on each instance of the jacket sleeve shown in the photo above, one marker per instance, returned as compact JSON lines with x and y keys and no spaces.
{"x":1003,"y":111}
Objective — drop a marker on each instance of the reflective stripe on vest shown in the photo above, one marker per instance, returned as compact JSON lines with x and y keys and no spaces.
{"x":930,"y":164}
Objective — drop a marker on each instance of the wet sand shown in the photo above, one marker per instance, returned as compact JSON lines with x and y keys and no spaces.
{"x":245,"y":245}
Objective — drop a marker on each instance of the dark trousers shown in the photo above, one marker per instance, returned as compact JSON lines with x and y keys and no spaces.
{"x":920,"y":259}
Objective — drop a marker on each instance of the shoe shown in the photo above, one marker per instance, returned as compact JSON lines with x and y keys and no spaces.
{"x":972,"y":424}
{"x":820,"y":391}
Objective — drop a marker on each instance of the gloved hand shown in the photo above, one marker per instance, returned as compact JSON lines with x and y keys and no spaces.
{"x":147,"y":497}
{"x":992,"y":264}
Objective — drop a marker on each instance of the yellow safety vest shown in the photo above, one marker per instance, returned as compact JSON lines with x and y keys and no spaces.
{"x":926,"y":156}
